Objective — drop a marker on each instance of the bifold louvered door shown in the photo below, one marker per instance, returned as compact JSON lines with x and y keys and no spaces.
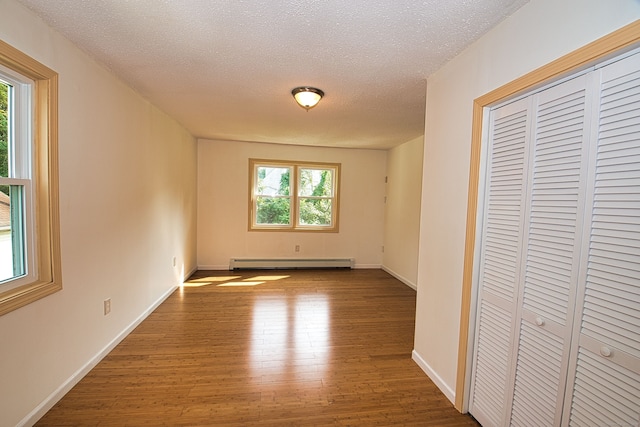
{"x":555,"y":202}
{"x":559,"y":288}
{"x":604,"y":376}
{"x":500,"y":261}
{"x":529,"y":265}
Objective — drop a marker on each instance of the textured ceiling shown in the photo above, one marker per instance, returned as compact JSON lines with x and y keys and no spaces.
{"x":225,"y":68}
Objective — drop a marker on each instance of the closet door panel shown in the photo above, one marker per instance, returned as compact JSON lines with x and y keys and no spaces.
{"x":537,"y":377}
{"x":607,"y":365}
{"x":557,"y":200}
{"x":551,"y":253}
{"x":491,"y":362}
{"x":605,"y":393}
{"x":499,"y":263}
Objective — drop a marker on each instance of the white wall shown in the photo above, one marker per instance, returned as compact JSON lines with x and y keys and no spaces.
{"x":402,"y":211}
{"x":540,"y":32}
{"x":127,"y":207}
{"x":223,"y":203}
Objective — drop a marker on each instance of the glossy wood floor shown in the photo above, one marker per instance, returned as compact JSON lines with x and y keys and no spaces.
{"x":266,"y":348}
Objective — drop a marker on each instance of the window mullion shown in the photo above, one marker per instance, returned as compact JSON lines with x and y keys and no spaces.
{"x":294,"y":197}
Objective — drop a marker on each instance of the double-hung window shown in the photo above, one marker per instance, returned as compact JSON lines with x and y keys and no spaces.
{"x":16,"y":184}
{"x":293,"y":196}
{"x":30,"y":265}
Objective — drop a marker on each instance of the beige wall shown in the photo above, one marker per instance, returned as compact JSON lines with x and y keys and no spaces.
{"x":223,"y":185}
{"x":540,"y":32}
{"x":402,"y":211}
{"x":127,"y":207}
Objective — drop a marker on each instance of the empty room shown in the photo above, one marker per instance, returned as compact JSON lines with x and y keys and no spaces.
{"x":320,"y":213}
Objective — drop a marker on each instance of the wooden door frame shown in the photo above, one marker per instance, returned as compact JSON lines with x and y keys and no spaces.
{"x":612,"y":44}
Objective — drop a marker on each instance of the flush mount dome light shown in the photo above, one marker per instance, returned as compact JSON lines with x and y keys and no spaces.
{"x":307,"y":97}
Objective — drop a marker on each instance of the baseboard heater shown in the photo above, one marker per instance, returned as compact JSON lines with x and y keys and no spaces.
{"x":289,"y":263}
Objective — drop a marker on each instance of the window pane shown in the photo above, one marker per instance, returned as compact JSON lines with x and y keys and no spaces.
{"x":273,"y":210}
{"x":273,"y":181}
{"x":293,"y":196}
{"x":12,"y":237}
{"x":315,"y":211}
{"x":4,"y":130}
{"x":315,"y":182}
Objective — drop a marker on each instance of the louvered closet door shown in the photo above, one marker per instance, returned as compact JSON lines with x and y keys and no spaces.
{"x":605,"y":372}
{"x":559,"y":148}
{"x":500,"y":262}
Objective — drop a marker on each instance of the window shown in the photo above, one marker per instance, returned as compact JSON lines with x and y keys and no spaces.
{"x":29,"y":222}
{"x":308,"y":202}
{"x":16,"y":195}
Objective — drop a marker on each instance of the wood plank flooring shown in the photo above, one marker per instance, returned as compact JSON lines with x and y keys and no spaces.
{"x":266,"y":348}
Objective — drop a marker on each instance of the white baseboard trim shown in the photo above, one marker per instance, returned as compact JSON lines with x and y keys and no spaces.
{"x":404,"y":280}
{"x":65,"y":387}
{"x":437,"y":380}
{"x":366,"y":266}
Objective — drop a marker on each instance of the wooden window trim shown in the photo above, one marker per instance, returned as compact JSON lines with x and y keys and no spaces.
{"x":610,"y":45}
{"x":295,"y":166}
{"x":46,"y":210}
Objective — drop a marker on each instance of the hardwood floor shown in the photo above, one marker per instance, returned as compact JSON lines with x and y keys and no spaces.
{"x":266,"y":348}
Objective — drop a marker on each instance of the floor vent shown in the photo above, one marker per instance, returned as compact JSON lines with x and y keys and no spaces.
{"x":289,"y":263}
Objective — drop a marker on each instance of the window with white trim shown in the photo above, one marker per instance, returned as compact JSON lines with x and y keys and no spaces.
{"x":30,"y":266}
{"x":293,"y":196}
{"x":16,"y":195}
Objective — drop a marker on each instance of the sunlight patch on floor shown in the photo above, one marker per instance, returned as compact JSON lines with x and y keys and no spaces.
{"x":231,"y":281}
{"x":204,"y":281}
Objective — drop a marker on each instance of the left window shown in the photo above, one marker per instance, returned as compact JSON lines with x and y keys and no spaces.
{"x":29,"y":223}
{"x":16,"y":185}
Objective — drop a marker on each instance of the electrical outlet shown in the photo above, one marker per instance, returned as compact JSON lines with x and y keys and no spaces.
{"x":297,"y":248}
{"x":107,"y":306}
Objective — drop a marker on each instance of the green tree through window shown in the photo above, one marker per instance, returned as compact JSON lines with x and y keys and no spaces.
{"x":294,"y":196}
{"x":316,"y":208}
{"x":273,"y":204}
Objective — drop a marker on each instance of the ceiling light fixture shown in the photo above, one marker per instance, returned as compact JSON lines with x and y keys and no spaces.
{"x":307,"y":97}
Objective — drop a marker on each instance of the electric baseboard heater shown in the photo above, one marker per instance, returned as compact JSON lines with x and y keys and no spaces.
{"x":289,"y":263}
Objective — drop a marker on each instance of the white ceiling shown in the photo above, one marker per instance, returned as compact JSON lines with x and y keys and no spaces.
{"x":225,"y":68}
